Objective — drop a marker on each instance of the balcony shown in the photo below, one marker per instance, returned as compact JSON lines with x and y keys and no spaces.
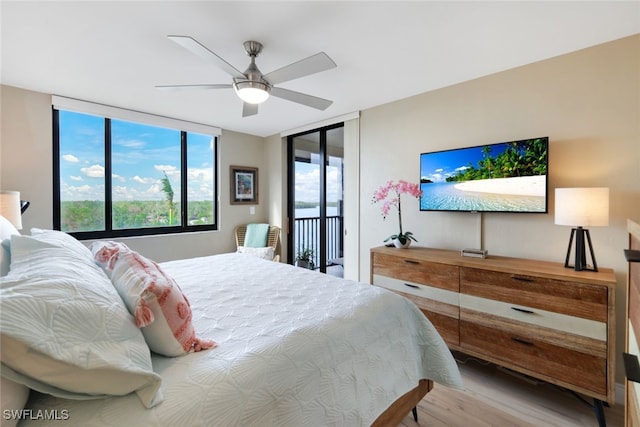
{"x":307,"y":236}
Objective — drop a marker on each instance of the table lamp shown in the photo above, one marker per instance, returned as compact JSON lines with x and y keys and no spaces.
{"x":579,"y":208}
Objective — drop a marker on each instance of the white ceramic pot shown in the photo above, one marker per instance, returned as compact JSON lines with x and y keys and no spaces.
{"x":400,"y":245}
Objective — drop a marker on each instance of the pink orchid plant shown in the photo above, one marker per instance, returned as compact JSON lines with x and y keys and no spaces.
{"x":389,"y":194}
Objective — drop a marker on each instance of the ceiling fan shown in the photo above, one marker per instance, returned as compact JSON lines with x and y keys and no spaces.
{"x":252,"y":86}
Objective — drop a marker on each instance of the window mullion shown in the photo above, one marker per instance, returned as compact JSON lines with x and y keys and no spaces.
{"x":57,"y":221}
{"x":108,"y":200}
{"x":183,"y":179}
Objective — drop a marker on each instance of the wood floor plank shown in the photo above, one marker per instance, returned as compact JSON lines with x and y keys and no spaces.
{"x":494,"y":397}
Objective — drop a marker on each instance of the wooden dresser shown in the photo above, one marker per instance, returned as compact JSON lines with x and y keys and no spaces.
{"x":534,"y":317}
{"x":632,"y":388}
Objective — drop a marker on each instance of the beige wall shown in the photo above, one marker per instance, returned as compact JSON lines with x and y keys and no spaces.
{"x":26,"y":165}
{"x":276,"y":153}
{"x":587,"y":102}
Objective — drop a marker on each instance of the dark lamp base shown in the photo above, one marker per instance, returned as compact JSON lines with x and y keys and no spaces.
{"x":580,"y":261}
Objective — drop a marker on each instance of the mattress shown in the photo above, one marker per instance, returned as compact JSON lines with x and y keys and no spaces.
{"x":295,"y":348}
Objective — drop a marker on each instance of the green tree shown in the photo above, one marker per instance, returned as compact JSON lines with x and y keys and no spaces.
{"x":168,"y":192}
{"x":525,"y":158}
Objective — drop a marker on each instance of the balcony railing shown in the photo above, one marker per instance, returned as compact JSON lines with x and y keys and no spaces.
{"x":307,"y":235}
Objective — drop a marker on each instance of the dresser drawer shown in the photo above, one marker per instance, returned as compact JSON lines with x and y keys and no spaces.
{"x":535,"y":316}
{"x":423,"y":292}
{"x":447,"y":326}
{"x":571,"y":298}
{"x":440,"y":306}
{"x":554,"y":363}
{"x":437,"y":275}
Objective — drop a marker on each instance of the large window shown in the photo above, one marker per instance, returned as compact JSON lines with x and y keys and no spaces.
{"x":116,"y":177}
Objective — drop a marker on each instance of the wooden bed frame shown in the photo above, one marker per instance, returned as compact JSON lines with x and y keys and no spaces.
{"x":401,"y":407}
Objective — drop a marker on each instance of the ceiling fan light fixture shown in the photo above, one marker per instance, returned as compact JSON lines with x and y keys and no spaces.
{"x":252,"y":92}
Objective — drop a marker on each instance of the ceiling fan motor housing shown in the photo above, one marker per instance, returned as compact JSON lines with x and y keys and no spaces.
{"x":252,"y":47}
{"x":254,"y":80}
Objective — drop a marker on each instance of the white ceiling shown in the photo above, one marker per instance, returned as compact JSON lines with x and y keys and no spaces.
{"x":116,"y":52}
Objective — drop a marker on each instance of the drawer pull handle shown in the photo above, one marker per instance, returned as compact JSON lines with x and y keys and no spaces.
{"x":411,"y":261}
{"x":522,"y":310}
{"x":411,"y":286}
{"x":632,"y":255}
{"x":521,"y":341}
{"x":522,"y":278}
{"x":631,"y":367}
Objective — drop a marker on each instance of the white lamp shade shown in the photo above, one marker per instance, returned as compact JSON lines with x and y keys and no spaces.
{"x":10,"y":207}
{"x":253,"y":95}
{"x":252,"y":92}
{"x":582,"y":207}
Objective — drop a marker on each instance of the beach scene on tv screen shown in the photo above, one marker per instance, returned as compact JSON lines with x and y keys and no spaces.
{"x":505,"y":177}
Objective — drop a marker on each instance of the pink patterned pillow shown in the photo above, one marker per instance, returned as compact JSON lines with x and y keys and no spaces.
{"x":155,"y":300}
{"x":106,"y":253}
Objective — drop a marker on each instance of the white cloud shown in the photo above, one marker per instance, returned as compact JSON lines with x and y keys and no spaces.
{"x":75,"y":178}
{"x":200,"y":174}
{"x":145,"y":181}
{"x":123,"y":193}
{"x":165,"y":168}
{"x":118,"y":177}
{"x":70,"y":158}
{"x":94,"y":171}
{"x":153,"y":191}
{"x":306,"y":184}
{"x":81,"y":192}
{"x":171,"y":171}
{"x":334,"y":184}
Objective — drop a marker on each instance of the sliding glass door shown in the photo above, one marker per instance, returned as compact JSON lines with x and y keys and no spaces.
{"x":316,"y":171}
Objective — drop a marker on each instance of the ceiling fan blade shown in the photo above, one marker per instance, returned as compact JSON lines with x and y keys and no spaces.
{"x":189,"y":87}
{"x":195,"y":47}
{"x":304,"y":67}
{"x":249,"y":109}
{"x":301,"y":98}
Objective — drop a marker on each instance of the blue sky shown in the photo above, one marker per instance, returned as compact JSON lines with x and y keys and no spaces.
{"x":439,"y":165}
{"x":141,"y":154}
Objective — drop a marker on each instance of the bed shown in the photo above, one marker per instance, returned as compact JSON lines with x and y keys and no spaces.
{"x":293,"y":347}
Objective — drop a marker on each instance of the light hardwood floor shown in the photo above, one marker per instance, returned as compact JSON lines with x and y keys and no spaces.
{"x":493,"y":397}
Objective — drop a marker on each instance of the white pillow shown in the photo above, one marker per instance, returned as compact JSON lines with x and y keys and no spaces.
{"x":267,"y":253}
{"x":66,"y":332}
{"x":62,"y":240}
{"x":14,"y":396}
{"x":7,"y":229}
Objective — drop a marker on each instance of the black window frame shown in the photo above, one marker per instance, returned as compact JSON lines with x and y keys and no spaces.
{"x":109,"y":232}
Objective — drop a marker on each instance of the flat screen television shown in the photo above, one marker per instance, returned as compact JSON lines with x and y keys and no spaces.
{"x":503,"y":177}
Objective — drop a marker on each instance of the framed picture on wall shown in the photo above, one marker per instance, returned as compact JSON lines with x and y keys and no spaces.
{"x":244,"y":185}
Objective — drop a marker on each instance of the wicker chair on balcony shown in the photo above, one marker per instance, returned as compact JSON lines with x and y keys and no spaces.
{"x":273,"y":238}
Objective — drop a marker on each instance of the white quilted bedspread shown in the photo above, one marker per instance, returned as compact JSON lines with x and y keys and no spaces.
{"x":295,"y":348}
